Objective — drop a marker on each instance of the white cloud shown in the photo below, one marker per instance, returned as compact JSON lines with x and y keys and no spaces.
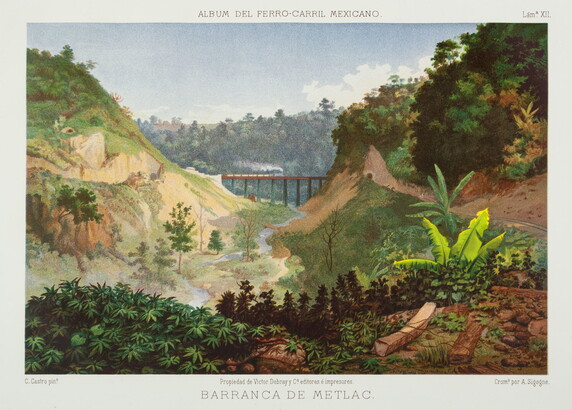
{"x":147,"y":112}
{"x":354,"y":86}
{"x":424,"y":62}
{"x":209,"y":114}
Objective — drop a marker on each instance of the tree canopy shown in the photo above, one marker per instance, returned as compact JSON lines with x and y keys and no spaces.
{"x":476,"y":87}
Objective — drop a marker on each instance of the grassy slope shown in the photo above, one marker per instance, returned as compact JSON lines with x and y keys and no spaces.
{"x":373,"y":213}
{"x":62,"y":94}
{"x":59,"y":90}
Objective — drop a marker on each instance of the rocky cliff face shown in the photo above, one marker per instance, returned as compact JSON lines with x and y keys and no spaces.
{"x":149,"y":193}
{"x":96,"y":166}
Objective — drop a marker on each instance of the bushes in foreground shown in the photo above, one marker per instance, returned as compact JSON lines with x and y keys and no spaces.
{"x":103,"y":329}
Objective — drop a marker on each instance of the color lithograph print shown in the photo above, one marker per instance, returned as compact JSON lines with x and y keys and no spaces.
{"x":286,"y":198}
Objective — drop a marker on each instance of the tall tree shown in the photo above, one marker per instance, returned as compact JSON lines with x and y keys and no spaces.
{"x":466,"y":109}
{"x":180,"y":229}
{"x":201,"y":218}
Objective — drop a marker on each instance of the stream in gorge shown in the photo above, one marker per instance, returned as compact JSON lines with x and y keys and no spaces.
{"x":200,"y":296}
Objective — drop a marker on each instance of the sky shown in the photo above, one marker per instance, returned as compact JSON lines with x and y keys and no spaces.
{"x":211,"y":72}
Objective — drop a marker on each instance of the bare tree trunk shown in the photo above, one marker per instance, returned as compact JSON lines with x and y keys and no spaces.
{"x":248,"y":223}
{"x":200,"y":217}
{"x":180,"y":257}
{"x":331,"y":228}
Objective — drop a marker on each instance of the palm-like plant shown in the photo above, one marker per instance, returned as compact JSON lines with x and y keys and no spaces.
{"x":440,"y":209}
{"x":469,"y":253}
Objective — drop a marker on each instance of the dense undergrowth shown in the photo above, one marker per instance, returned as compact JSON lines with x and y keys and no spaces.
{"x":103,"y":329}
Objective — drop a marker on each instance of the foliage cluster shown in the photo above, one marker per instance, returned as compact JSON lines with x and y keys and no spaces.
{"x":383,"y":120}
{"x":325,"y":315}
{"x":517,"y":261}
{"x":333,"y":328}
{"x":153,"y":266}
{"x":473,"y":109}
{"x":482,"y":106}
{"x":459,"y":268}
{"x":440,"y":209}
{"x":103,"y":329}
{"x":58,"y":87}
{"x":450,"y":322}
{"x":294,"y":144}
{"x":80,"y":204}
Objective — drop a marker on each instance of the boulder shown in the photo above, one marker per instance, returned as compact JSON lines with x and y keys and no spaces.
{"x":538,"y":327}
{"x":522,"y":335}
{"x":523,"y":319}
{"x":509,"y":327}
{"x":500,"y":347}
{"x":511,"y":340}
{"x":506,"y":315}
{"x":510,"y":362}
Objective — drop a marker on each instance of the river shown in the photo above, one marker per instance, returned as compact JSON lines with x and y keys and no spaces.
{"x":261,"y":240}
{"x":200,"y":296}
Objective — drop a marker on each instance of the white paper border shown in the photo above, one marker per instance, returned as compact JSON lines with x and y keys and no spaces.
{"x":183,"y":392}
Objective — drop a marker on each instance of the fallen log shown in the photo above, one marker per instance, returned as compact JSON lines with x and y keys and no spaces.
{"x":388,"y":344}
{"x":529,"y":293}
{"x":488,"y":368}
{"x":465,"y":345}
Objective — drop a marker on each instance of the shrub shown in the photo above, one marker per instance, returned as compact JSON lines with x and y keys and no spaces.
{"x":96,"y":121}
{"x":458,"y":270}
{"x":538,"y":344}
{"x":103,"y":329}
{"x":449,"y":323}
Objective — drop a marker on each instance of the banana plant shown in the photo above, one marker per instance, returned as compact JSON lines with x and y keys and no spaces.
{"x":468,"y":252}
{"x":440,"y":209}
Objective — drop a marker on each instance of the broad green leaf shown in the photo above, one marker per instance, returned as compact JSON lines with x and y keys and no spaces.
{"x":418,"y":264}
{"x":436,"y":191}
{"x":433,"y":205}
{"x":442,"y":186}
{"x":78,"y":339}
{"x":97,"y":329}
{"x":441,"y":295}
{"x":424,"y":214}
{"x":484,"y":253}
{"x":440,"y":248}
{"x":460,"y":186}
{"x":469,"y":241}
